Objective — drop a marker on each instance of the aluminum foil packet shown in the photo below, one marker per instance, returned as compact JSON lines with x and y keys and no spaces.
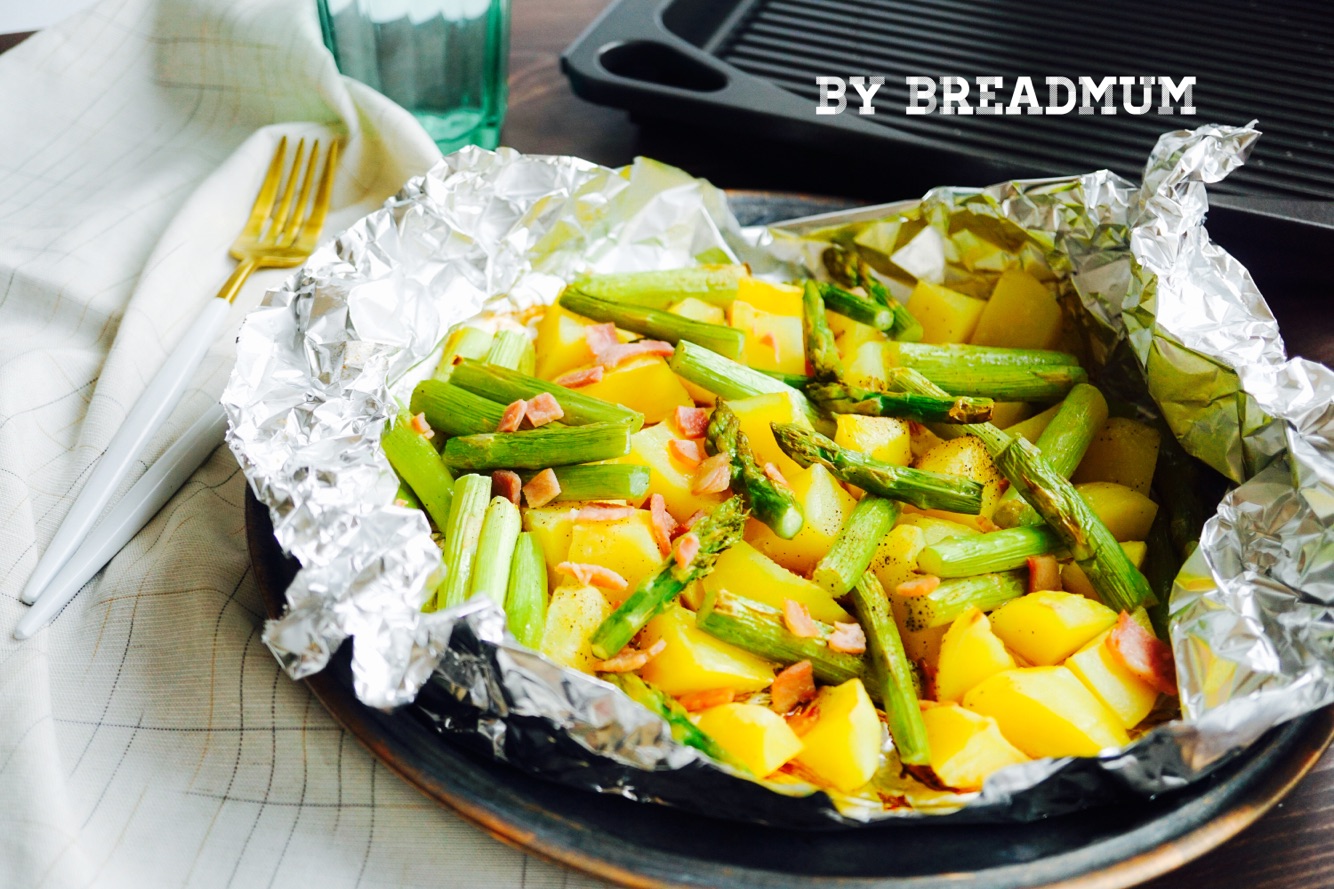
{"x":1172,"y":323}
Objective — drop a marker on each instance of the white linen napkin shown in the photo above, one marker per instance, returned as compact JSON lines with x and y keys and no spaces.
{"x":147,"y":738}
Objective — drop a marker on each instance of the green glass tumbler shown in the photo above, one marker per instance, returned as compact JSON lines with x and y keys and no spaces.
{"x":444,"y":60}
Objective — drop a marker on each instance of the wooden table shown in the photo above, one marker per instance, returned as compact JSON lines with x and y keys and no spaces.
{"x":1292,"y":846}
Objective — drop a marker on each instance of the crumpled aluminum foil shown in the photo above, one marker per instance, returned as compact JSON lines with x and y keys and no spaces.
{"x":1165,"y":311}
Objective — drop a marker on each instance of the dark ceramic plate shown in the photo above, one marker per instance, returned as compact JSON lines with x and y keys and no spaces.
{"x":647,"y":845}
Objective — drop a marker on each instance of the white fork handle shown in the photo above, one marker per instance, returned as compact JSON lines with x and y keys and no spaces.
{"x":148,"y":413}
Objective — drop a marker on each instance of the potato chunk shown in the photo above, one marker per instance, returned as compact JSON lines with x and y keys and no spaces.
{"x":966,"y":747}
{"x":695,"y":661}
{"x":843,"y":747}
{"x":1124,"y":451}
{"x":757,"y":412}
{"x":946,"y":316}
{"x":825,"y":506}
{"x":667,"y":476}
{"x":746,"y":571}
{"x":626,"y":546}
{"x":966,"y":456}
{"x":887,"y":439}
{"x":1103,"y":673}
{"x":755,"y":736}
{"x":1021,"y":314}
{"x":572,"y":616}
{"x":969,"y":653}
{"x":773,"y":341}
{"x":1046,"y":711}
{"x":1048,"y":626}
{"x":1127,"y":513}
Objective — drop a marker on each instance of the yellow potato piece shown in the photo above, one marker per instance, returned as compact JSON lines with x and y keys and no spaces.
{"x":757,"y":412}
{"x":1124,"y":451}
{"x":573,"y":614}
{"x":1127,"y":513}
{"x":851,"y":335}
{"x":645,"y":384}
{"x":966,"y":456}
{"x":560,"y":343}
{"x":755,"y":736}
{"x":1031,"y":428}
{"x":825,"y":506}
{"x":1021,"y":314}
{"x":866,"y":364}
{"x":1006,"y":413}
{"x":1046,"y":711}
{"x":744,"y":570}
{"x":698,"y":310}
{"x":887,"y":439}
{"x":553,"y":526}
{"x":934,"y":528}
{"x":773,"y":342}
{"x":969,"y":653}
{"x":695,"y":661}
{"x":843,"y":746}
{"x":966,"y":747}
{"x":895,"y":558}
{"x":1121,"y":691}
{"x":668,"y":477}
{"x":1047,"y":626}
{"x":779,"y":299}
{"x":626,"y":546}
{"x":946,"y":316}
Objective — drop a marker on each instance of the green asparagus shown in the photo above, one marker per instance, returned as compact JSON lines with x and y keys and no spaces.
{"x":728,"y":379}
{"x":714,"y":284}
{"x":418,"y":464}
{"x":982,"y":553}
{"x":656,"y":323}
{"x":855,"y":545}
{"x":771,"y":503}
{"x":465,"y":342}
{"x":952,"y":598}
{"x":599,"y":481}
{"x":857,"y":308}
{"x":537,"y":448}
{"x":683,"y":730}
{"x":821,"y":350}
{"x":466,"y":513}
{"x":504,"y":386}
{"x":1038,"y":384}
{"x":495,"y":550}
{"x":513,"y":350}
{"x":453,"y":410}
{"x":526,"y":597}
{"x":891,"y":671}
{"x":841,"y":398}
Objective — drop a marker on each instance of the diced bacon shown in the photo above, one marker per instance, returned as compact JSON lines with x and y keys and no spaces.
{"x":691,"y":422}
{"x":687,"y":547}
{"x":622,"y":352}
{"x":686,"y":451}
{"x":713,"y":475}
{"x":542,"y":409}
{"x":794,"y":685}
{"x":629,"y":659}
{"x":1143,"y":654}
{"x":798,"y":620}
{"x":600,"y":338}
{"x":695,"y":701}
{"x":422,"y":427}
{"x":664,"y":526}
{"x":507,"y":484}
{"x":775,"y":475}
{"x":847,"y":638}
{"x":1044,"y":573}
{"x":605,"y":513}
{"x":542,"y":489}
{"x":583,"y":377}
{"x":511,"y":419}
{"x":693,"y":518}
{"x":803,"y":719}
{"x":593,"y":575}
{"x":918,"y":586}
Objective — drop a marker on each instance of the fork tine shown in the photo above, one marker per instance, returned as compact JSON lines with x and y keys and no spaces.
{"x":313,"y":223}
{"x":292,"y":225}
{"x":278,"y":219}
{"x":264,"y":200}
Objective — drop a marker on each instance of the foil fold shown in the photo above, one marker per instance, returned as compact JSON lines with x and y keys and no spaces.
{"x":1172,"y":323}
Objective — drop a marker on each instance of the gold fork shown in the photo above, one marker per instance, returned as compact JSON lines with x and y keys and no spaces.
{"x":280,"y":236}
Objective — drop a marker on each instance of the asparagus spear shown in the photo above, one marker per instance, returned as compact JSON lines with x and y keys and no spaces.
{"x":927,"y":490}
{"x":714,"y":284}
{"x":599,"y":481}
{"x":728,"y":379}
{"x":538,"y":448}
{"x":466,"y":513}
{"x":844,"y":265}
{"x":759,"y":629}
{"x":417,"y":463}
{"x":503,"y":386}
{"x":716,"y":532}
{"x":821,"y":350}
{"x":670,"y":711}
{"x":1063,"y":444}
{"x":952,"y":598}
{"x":526,"y":597}
{"x":855,"y":545}
{"x":1117,"y":581}
{"x":1048,"y":383}
{"x":982,"y":553}
{"x":842,"y":398}
{"x":512,"y":350}
{"x":405,"y":497}
{"x":858,"y":308}
{"x":891,"y":671}
{"x":926,"y":357}
{"x":656,"y":323}
{"x":453,"y":410}
{"x":770,"y":502}
{"x":795,"y":381}
{"x":495,"y":550}
{"x":466,"y":342}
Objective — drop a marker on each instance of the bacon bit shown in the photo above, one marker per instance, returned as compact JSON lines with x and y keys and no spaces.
{"x":664,"y":526}
{"x":1044,"y":573}
{"x":803,"y":719}
{"x":775,"y":475}
{"x":695,"y":701}
{"x":422,"y":427}
{"x":799,"y":620}
{"x":986,"y":525}
{"x":691,"y":422}
{"x":600,"y":338}
{"x":542,"y":489}
{"x":847,"y":638}
{"x":792,"y":686}
{"x":507,"y":484}
{"x":1143,"y":654}
{"x":686,"y":451}
{"x":542,"y":409}
{"x":630,"y":659}
{"x":713,"y":475}
{"x":694,"y":517}
{"x":918,"y":586}
{"x":593,"y":575}
{"x":605,"y":513}
{"x":687,"y":547}
{"x":577,"y":378}
{"x":623,"y":352}
{"x":513,"y":416}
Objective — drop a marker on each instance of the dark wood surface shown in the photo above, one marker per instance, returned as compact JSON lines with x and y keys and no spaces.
{"x":1291,"y":847}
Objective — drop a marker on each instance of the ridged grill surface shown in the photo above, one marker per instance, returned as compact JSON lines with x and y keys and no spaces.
{"x":1272,"y":61}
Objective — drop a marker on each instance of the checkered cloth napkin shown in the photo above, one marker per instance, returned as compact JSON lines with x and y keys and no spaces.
{"x":147,"y":738}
